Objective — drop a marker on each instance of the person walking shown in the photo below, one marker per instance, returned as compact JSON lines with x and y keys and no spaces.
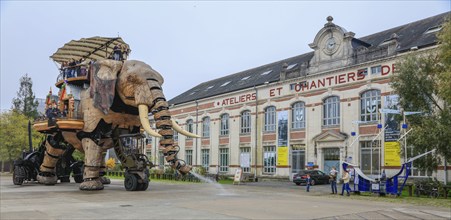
{"x":333,"y":180}
{"x":308,"y":182}
{"x":345,"y":179}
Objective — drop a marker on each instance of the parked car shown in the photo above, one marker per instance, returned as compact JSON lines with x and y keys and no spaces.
{"x":316,"y":176}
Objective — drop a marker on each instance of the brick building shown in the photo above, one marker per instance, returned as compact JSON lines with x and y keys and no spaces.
{"x":309,"y":111}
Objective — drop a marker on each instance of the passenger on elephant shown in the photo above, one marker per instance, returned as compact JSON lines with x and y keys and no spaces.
{"x":72,"y":68}
{"x":83,"y":66}
{"x":117,"y":52}
{"x":63,"y":69}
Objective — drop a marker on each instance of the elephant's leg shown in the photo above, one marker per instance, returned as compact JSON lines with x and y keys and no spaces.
{"x":164,"y":124}
{"x":102,"y":172}
{"x":93,"y":154}
{"x":52,"y":154}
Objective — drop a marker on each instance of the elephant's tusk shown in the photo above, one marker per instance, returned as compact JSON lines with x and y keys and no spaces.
{"x":177,"y":128}
{"x":144,"y":118}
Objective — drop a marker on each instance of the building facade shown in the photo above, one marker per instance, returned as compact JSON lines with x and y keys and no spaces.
{"x":311,"y":111}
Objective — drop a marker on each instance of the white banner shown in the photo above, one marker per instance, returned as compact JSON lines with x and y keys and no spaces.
{"x":389,"y":111}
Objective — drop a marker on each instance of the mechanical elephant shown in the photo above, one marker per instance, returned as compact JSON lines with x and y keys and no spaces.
{"x":117,"y":102}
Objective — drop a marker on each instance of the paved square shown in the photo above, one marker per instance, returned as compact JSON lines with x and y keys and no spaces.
{"x":196,"y":201}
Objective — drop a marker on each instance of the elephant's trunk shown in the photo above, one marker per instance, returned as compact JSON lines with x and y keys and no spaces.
{"x":162,"y":116}
{"x":144,"y":118}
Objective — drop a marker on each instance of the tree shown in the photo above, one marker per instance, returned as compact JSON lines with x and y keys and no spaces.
{"x":423,"y":82}
{"x":14,"y":135}
{"x":25,"y":102}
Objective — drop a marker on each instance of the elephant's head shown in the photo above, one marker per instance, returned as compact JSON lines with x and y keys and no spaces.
{"x":133,"y":87}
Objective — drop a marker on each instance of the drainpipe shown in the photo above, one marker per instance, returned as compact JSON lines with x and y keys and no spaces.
{"x":255,"y":131}
{"x":197,"y":124}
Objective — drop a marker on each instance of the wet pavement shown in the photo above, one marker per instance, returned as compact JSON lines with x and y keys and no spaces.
{"x":173,"y":200}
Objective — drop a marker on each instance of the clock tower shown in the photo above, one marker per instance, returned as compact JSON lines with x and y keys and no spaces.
{"x":332,"y":48}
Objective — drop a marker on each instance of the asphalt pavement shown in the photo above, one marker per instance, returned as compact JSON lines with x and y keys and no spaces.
{"x":174,"y":200}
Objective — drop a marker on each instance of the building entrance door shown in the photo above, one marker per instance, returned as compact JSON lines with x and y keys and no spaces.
{"x":297,"y":160}
{"x":331,"y":159}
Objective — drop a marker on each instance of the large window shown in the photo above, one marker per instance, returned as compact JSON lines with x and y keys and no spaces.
{"x":224,"y":125}
{"x":331,"y":111}
{"x":206,"y":127}
{"x":369,"y":156}
{"x":370,"y":101}
{"x":297,"y":159}
{"x":298,"y":115}
{"x":161,"y":159}
{"x":245,"y":122}
{"x":269,"y":159}
{"x":176,"y":134}
{"x":245,"y":159}
{"x":205,"y":154}
{"x":189,"y":157}
{"x":223,"y":159}
{"x":270,"y":119}
{"x":189,"y":126}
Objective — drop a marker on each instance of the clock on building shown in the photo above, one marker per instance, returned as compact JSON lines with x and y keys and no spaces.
{"x":331,"y":45}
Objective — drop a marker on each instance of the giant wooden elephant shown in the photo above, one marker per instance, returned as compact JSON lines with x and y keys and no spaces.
{"x":117,"y":102}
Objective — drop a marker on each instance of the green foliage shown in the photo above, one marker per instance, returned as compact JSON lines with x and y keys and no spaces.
{"x":169,"y":170}
{"x":78,"y":155}
{"x":25,"y":102}
{"x":423,"y":82}
{"x":200,"y":170}
{"x":445,"y":56}
{"x":14,"y":135}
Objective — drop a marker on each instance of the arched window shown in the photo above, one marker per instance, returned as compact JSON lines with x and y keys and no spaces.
{"x":189,"y":126}
{"x":245,"y":122}
{"x":224,"y":130}
{"x":331,"y":111}
{"x":370,"y":102}
{"x":298,"y":115}
{"x":206,"y":127}
{"x":270,"y":119}
{"x":176,"y":134}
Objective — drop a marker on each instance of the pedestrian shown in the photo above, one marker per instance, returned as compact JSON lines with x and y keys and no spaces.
{"x":308,"y":183}
{"x":345,"y":179}
{"x":333,"y":180}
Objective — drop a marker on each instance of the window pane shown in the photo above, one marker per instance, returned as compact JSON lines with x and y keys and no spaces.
{"x":370,"y":102}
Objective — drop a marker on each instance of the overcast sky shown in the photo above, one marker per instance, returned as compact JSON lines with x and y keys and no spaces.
{"x":188,"y":42}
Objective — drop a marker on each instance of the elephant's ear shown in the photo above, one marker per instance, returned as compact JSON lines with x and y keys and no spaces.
{"x":103,"y":83}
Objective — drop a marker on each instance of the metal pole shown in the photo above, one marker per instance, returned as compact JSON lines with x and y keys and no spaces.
{"x":197,"y":124}
{"x":30,"y":143}
{"x":405,"y":138}
{"x":371,"y":159}
{"x":256,"y":134}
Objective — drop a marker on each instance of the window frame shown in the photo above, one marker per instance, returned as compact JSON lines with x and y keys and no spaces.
{"x":224,"y":125}
{"x":189,"y":127}
{"x":331,"y":103}
{"x":298,"y":124}
{"x":206,"y":127}
{"x":270,"y":119}
{"x":370,"y":96}
{"x":205,"y":155}
{"x":189,"y":156}
{"x":245,"y":122}
{"x":270,"y":166}
{"x":224,"y":159}
{"x":246,"y":150}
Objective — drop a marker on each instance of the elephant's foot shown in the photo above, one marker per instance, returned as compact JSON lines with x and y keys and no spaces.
{"x":91,"y":184}
{"x":105,"y":180}
{"x":47,"y":178}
